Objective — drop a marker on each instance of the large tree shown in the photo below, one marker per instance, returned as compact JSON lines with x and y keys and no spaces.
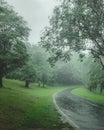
{"x":13,"y":36}
{"x":76,"y":25}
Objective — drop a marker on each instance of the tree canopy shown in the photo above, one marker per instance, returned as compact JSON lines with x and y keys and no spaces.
{"x":76,"y":25}
{"x":14,"y":34}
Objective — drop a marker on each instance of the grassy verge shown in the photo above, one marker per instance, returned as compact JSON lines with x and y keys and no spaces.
{"x":28,"y":109}
{"x":83,"y":92}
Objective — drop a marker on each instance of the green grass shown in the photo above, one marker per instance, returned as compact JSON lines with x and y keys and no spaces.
{"x":28,"y":109}
{"x":83,"y":92}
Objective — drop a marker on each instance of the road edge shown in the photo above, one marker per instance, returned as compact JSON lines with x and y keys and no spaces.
{"x":67,"y":119}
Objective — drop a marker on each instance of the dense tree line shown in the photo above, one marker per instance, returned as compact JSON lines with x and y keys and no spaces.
{"x":37,"y":69}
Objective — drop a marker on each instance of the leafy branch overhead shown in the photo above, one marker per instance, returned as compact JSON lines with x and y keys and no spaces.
{"x":76,"y":25}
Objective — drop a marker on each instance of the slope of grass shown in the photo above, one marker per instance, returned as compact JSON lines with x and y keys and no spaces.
{"x":28,"y":109}
{"x":83,"y":92}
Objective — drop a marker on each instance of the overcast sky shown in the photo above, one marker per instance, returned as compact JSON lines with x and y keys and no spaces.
{"x":36,"y":13}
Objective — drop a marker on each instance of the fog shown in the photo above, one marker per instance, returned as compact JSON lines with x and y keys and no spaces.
{"x":36,"y":13}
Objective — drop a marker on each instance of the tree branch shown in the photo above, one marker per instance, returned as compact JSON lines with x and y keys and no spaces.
{"x":101,"y":63}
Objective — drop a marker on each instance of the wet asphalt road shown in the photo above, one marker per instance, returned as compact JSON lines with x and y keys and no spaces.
{"x":85,"y":114}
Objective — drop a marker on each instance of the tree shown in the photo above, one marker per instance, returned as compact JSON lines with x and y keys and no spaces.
{"x":41,"y":66}
{"x":96,"y":77}
{"x":36,"y":69}
{"x":28,"y":74}
{"x":65,"y":73}
{"x":13,"y":36}
{"x":25,"y":73}
{"x":76,"y":25}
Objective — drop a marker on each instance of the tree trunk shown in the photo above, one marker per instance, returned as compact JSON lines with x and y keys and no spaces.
{"x":101,"y":90}
{"x":43,"y":84}
{"x":27,"y":83}
{"x":1,"y":80}
{"x":39,"y":83}
{"x":102,"y":87}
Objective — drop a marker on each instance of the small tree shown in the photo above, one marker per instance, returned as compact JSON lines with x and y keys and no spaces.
{"x":96,"y":77}
{"x":28,"y":74}
{"x":41,"y":66}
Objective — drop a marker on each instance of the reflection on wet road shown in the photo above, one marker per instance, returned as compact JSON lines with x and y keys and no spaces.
{"x":85,"y":114}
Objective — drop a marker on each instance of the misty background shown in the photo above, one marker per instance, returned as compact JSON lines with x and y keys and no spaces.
{"x":36,"y":13}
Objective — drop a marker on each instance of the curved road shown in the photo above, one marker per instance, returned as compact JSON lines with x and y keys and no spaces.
{"x":80,"y":113}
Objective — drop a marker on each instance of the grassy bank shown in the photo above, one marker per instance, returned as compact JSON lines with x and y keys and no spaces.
{"x":83,"y":92}
{"x":28,"y":109}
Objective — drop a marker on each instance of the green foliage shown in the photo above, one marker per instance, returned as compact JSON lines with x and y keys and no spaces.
{"x":13,"y":37}
{"x":96,"y":76}
{"x":76,"y":25}
{"x":65,"y":74}
{"x":61,"y":73}
{"x":38,"y":70}
{"x":40,"y":65}
{"x":28,"y":73}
